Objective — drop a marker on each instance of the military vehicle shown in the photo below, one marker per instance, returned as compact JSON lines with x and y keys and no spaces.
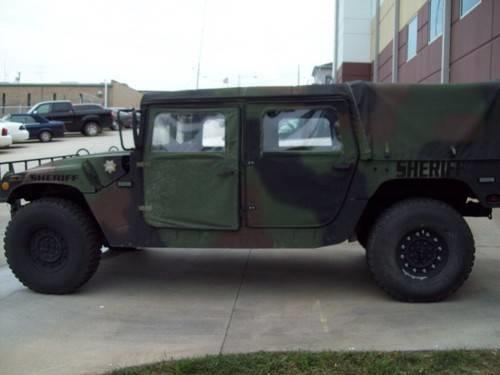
{"x":396,"y":167}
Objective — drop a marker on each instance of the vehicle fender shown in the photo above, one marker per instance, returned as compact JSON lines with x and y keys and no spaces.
{"x":88,"y":118}
{"x":87,"y":174}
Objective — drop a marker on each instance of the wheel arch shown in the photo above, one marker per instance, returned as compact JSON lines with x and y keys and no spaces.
{"x":32,"y":192}
{"x":454,"y":192}
{"x":91,"y":118}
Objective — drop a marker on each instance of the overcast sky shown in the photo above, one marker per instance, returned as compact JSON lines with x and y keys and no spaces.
{"x":155,"y":44}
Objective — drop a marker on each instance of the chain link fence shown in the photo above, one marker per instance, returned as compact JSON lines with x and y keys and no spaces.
{"x":5,"y":110}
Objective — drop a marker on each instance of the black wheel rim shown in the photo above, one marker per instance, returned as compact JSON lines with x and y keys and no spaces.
{"x":422,"y":253}
{"x":48,"y":250}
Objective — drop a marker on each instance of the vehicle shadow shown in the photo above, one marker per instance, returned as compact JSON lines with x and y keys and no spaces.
{"x":317,"y":270}
{"x":332,"y":271}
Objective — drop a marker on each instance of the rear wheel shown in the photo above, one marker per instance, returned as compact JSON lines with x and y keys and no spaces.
{"x":420,"y":250}
{"x":91,"y":129}
{"x":45,"y":136}
{"x":52,"y":246}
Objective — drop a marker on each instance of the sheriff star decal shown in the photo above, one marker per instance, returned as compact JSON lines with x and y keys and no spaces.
{"x":110,"y":166}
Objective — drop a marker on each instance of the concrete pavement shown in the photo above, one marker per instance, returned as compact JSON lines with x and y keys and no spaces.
{"x":157,"y":304}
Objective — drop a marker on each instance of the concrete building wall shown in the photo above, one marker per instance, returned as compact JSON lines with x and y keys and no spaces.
{"x":23,"y":95}
{"x":26,"y":94}
{"x":354,"y":40}
{"x":121,"y":95}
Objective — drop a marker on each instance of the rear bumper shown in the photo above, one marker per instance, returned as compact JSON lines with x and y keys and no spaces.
{"x":5,"y":141}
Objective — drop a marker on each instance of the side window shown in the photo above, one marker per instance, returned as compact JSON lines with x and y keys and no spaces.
{"x":197,"y":131}
{"x":44,"y":108}
{"x":21,"y":119}
{"x":301,"y":129}
{"x":61,"y":107}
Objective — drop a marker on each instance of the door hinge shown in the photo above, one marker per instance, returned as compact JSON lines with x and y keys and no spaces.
{"x":251,"y":207}
{"x":145,"y":208}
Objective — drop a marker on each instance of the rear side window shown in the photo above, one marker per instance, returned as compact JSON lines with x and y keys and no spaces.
{"x":61,"y":107}
{"x":15,"y":118}
{"x":301,"y":129}
{"x":189,"y":132}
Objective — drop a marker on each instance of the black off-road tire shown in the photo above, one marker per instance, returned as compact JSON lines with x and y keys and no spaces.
{"x":420,"y":250}
{"x":52,"y":246}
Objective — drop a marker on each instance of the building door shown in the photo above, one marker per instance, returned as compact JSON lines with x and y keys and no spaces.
{"x":191,"y":177}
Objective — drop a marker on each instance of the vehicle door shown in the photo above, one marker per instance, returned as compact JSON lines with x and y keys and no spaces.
{"x":44,"y":110}
{"x":63,"y":111}
{"x":300,"y":160}
{"x":191,"y":177}
{"x":32,"y":125}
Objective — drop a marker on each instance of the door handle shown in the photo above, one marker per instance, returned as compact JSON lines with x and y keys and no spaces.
{"x":342,"y":166}
{"x":227,"y":172}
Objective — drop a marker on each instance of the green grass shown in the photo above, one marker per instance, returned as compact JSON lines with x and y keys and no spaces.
{"x":436,"y":362}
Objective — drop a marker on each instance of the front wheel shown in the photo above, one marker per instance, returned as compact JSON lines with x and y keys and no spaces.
{"x":420,"y":250}
{"x":91,"y":129}
{"x":52,"y":246}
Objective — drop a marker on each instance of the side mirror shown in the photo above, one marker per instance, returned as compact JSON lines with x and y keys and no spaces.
{"x":136,"y":130}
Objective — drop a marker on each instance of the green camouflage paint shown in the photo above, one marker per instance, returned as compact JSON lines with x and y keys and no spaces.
{"x":408,"y":134}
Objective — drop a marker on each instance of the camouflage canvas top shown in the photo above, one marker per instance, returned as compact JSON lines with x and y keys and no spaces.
{"x":392,"y":121}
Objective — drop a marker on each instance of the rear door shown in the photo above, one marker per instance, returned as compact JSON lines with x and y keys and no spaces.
{"x":63,"y":111}
{"x":191,"y":176}
{"x":299,"y":163}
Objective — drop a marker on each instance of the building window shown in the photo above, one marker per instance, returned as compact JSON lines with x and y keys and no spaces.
{"x":29,"y":99}
{"x":3,"y":103}
{"x":436,"y":8}
{"x":412,"y":39}
{"x":54,"y":96}
{"x":467,"y":5}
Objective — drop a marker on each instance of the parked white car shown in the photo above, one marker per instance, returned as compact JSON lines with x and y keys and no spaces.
{"x":5,"y":138}
{"x":16,"y":130}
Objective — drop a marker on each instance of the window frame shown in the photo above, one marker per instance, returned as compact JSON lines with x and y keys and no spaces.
{"x":462,"y":15}
{"x":157,"y":110}
{"x":315,"y":150}
{"x":440,"y":34}
{"x":408,"y":57}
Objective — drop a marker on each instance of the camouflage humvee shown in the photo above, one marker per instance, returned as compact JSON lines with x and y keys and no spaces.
{"x":396,"y":167}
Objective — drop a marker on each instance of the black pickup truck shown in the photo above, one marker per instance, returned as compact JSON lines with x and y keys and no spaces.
{"x":88,"y":122}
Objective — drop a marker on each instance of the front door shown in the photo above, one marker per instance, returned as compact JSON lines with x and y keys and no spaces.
{"x":191,"y":176}
{"x":300,"y":161}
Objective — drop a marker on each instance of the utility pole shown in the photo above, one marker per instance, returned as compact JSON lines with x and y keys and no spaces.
{"x":200,"y":47}
{"x":298,"y":75}
{"x":105,"y":93}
